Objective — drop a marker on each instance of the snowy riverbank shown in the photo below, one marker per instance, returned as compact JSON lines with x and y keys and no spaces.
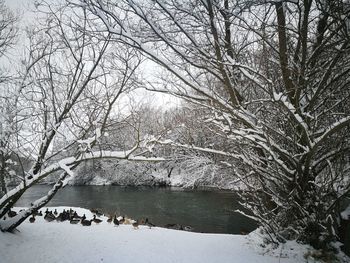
{"x":126,"y":173}
{"x":63,"y":242}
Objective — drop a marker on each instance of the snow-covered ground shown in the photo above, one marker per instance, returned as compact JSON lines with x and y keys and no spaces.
{"x":63,"y":242}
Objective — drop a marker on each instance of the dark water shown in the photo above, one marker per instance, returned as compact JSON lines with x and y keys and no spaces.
{"x":205,"y":211}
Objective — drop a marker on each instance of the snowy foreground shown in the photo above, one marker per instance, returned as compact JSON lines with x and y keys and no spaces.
{"x":63,"y":242}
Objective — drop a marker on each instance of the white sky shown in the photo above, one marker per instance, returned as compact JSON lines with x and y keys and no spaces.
{"x":18,"y":4}
{"x":24,"y":7}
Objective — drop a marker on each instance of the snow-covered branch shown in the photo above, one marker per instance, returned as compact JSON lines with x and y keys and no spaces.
{"x":70,"y":161}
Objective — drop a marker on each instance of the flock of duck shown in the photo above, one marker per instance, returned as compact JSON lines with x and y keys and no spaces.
{"x":73,"y":218}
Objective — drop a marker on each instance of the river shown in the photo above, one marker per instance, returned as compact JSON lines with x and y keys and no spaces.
{"x":209,"y":211}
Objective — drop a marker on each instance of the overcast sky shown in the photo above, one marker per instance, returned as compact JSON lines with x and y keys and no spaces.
{"x":24,"y":7}
{"x":17,"y":3}
{"x":21,"y":6}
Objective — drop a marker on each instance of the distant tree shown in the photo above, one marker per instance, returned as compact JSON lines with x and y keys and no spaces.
{"x":275,"y":76}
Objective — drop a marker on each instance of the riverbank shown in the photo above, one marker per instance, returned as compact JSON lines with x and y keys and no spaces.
{"x":183,"y":174}
{"x":49,"y":242}
{"x":204,"y":211}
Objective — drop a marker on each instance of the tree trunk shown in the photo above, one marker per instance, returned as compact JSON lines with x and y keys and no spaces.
{"x":21,"y":217}
{"x":3,"y":189}
{"x":344,"y":235}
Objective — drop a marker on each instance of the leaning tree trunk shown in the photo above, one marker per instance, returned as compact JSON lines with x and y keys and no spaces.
{"x":14,"y":222}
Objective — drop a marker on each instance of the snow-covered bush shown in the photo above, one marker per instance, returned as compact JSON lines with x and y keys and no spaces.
{"x":274,"y":76}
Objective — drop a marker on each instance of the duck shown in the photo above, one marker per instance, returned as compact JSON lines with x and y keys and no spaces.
{"x":121,"y":219}
{"x":38,"y":213}
{"x":188,"y":228}
{"x":32,"y":219}
{"x":96,"y":220}
{"x":243,"y":232}
{"x":85,"y":222}
{"x":48,"y":211}
{"x":135,"y":224}
{"x":65,"y":215}
{"x":98,"y":213}
{"x":110,"y":219}
{"x":75,"y":216}
{"x":49,"y":216}
{"x":174,"y":226}
{"x":149,"y":224}
{"x":11,"y":213}
{"x":74,"y":220}
{"x":116,"y":221}
{"x":60,"y":217}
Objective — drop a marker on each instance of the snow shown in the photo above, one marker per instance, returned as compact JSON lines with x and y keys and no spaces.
{"x":68,"y":171}
{"x":63,"y":242}
{"x":346,"y":213}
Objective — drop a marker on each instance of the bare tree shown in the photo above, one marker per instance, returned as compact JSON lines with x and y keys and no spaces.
{"x":8,"y":37}
{"x":68,"y":89}
{"x":274,"y":75}
{"x":8,"y":29}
